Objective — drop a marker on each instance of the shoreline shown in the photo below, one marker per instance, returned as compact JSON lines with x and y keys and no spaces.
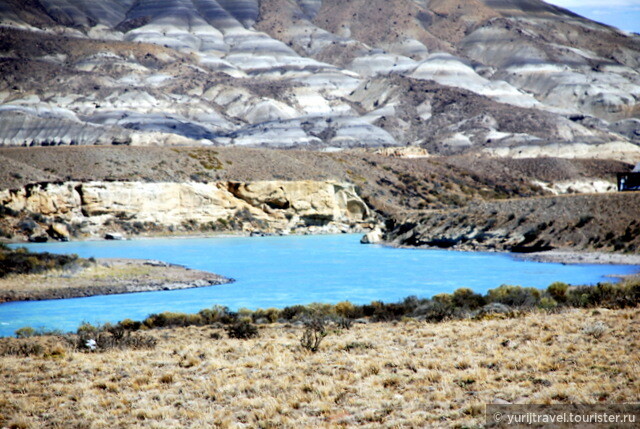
{"x":225,"y":234}
{"x":559,"y":256}
{"x":107,"y":276}
{"x":578,"y":257}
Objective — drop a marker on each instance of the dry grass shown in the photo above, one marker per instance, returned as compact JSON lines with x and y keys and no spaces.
{"x":404,"y":374}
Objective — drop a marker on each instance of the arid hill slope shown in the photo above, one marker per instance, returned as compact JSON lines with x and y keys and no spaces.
{"x":605,"y":222}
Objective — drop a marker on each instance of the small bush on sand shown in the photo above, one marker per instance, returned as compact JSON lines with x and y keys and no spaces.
{"x":596,"y":330}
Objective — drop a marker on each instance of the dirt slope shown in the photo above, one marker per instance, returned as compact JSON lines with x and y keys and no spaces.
{"x":606,"y":222}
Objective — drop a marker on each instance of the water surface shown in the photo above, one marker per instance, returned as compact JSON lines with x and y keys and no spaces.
{"x":281,"y":271}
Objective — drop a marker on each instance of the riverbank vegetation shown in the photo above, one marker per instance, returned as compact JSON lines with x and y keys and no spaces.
{"x":22,"y":261}
{"x":400,"y":373}
{"x":503,"y":302}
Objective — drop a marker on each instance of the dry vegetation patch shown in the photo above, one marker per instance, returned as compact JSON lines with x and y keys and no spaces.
{"x":405,"y":373}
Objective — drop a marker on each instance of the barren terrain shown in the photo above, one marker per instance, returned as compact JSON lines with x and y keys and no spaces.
{"x":605,"y":222}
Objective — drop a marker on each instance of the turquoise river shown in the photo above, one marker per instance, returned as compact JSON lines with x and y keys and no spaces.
{"x":281,"y":271}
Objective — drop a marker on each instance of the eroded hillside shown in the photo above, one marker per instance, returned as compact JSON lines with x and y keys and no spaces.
{"x":517,"y":79}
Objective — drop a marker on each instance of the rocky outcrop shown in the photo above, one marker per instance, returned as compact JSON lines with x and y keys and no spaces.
{"x":266,"y":206}
{"x":604,"y":222}
{"x":372,"y":237}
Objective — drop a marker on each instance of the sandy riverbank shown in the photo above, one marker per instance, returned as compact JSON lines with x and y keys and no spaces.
{"x":105,"y":277}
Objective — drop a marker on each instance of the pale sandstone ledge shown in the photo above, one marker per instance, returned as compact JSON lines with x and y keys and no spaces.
{"x":107,"y":276}
{"x":93,"y":208}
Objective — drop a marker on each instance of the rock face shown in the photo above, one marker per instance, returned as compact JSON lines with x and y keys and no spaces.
{"x":604,"y":222}
{"x":516,"y":78}
{"x":268,"y":206}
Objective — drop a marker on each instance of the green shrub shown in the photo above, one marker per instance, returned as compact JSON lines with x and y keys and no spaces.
{"x":435,"y":310}
{"x":465,"y":298}
{"x":101,"y":338}
{"x":547,"y":303}
{"x":443,"y":298}
{"x":345,"y":309}
{"x":169,"y":319}
{"x":21,"y":261}
{"x":218,"y":314}
{"x":320,"y":309}
{"x":294,"y":312}
{"x":130,"y":325}
{"x":633,"y":292}
{"x":242,"y":330}
{"x":558,"y":291}
{"x":86,"y":328}
{"x":25,"y":332}
{"x":270,"y":314}
{"x":515,"y":296}
{"x":610,"y":295}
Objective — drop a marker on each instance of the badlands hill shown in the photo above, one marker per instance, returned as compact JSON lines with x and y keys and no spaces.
{"x":514,"y":78}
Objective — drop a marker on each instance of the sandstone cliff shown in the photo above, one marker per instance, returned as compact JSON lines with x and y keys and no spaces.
{"x":93,"y":208}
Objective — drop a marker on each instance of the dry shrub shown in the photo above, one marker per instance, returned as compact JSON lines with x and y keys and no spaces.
{"x":101,"y":338}
{"x":313,"y":334}
{"x":242,"y":330}
{"x":48,"y":347}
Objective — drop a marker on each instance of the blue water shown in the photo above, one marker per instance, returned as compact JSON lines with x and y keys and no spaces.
{"x":281,"y":271}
